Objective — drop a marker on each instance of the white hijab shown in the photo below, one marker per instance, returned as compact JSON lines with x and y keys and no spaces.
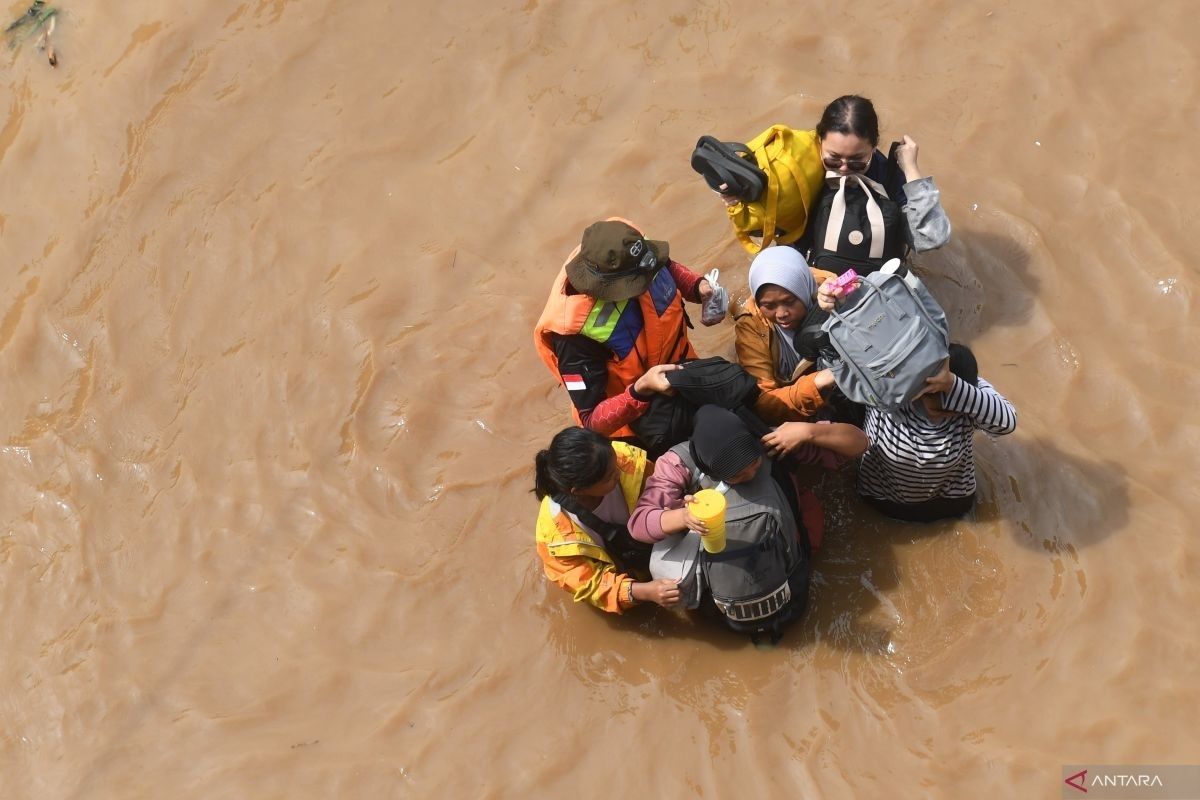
{"x":784,"y":267}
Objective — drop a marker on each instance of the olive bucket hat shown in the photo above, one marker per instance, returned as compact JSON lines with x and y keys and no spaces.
{"x":615,"y":262}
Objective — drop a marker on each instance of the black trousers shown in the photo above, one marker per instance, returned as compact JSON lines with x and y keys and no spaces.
{"x":927,"y":511}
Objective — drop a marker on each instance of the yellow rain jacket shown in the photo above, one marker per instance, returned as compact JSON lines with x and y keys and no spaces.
{"x":792,"y":162}
{"x":573,"y":559}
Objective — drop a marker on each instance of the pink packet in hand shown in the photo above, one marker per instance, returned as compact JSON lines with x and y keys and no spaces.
{"x":844,"y":283}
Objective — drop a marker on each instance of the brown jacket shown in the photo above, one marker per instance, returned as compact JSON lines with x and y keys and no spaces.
{"x":783,"y":398}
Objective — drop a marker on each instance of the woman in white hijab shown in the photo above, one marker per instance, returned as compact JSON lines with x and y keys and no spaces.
{"x":783,"y":288}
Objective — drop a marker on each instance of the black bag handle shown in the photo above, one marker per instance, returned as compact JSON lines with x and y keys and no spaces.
{"x":893,"y":166}
{"x":892,"y":183}
{"x":726,"y":152}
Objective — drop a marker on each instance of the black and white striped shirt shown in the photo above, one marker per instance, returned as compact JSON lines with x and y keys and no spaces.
{"x":912,"y":459}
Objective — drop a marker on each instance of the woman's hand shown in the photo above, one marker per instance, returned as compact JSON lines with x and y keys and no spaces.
{"x":654,"y":381}
{"x":727,"y":199}
{"x":788,"y":437}
{"x":663,"y":591}
{"x":705,"y":288}
{"x":828,"y":296}
{"x":834,"y":290}
{"x":906,"y":158}
{"x":940,"y":383}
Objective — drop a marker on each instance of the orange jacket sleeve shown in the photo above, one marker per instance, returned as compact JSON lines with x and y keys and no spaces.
{"x":821,"y":275}
{"x":752,"y":341}
{"x":588,"y":580}
{"x":796,"y":402}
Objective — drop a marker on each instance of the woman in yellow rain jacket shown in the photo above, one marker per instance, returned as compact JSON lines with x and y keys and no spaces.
{"x":588,"y":486}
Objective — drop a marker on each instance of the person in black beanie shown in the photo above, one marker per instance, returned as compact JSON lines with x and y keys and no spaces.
{"x":724,"y":449}
{"x":756,"y":580}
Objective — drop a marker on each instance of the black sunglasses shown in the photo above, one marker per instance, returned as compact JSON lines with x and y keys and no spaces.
{"x":852,"y":164}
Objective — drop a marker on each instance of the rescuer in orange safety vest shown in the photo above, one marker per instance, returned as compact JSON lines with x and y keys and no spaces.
{"x":614,"y":324}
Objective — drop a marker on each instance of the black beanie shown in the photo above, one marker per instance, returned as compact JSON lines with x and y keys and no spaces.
{"x":721,"y":443}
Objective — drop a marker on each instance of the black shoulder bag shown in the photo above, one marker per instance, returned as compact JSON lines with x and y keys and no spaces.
{"x":723,"y":164}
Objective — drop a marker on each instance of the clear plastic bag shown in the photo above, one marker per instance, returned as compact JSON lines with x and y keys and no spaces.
{"x":717,"y":304}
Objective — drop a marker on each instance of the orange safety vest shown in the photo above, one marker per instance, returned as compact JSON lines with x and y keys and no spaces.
{"x":640,"y":333}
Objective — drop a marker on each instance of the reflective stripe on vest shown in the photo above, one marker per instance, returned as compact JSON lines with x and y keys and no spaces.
{"x":618,"y":325}
{"x":603,"y":320}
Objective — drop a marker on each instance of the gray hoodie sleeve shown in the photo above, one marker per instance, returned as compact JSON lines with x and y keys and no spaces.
{"x":928,"y":225}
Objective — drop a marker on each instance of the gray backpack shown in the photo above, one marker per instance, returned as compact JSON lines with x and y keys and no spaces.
{"x":890,"y":336}
{"x":759,"y":582}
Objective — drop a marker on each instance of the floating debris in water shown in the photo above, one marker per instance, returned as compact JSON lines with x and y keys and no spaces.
{"x":435,"y":494}
{"x":38,"y":19}
{"x":21,"y":452}
{"x":1035,"y":141}
{"x":1166,"y":285}
{"x":483,"y":426}
{"x":45,"y":44}
{"x":1067,"y":354}
{"x":974,"y":206}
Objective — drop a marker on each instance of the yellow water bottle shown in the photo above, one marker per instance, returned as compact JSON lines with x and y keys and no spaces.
{"x":708,"y":505}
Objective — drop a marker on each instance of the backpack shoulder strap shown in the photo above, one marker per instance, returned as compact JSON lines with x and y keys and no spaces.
{"x":626,"y":552}
{"x":607,"y":530}
{"x":783,"y":154}
{"x":766,"y":148}
{"x":684,"y":451}
{"x":784,"y":480}
{"x":892,"y":168}
{"x":837,"y":215}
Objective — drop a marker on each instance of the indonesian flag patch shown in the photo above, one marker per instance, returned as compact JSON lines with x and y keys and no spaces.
{"x":574,"y":383}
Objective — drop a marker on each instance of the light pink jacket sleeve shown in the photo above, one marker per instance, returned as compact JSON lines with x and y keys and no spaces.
{"x":664,"y":491}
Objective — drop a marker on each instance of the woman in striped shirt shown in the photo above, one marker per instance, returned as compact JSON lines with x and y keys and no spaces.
{"x":920,"y":466}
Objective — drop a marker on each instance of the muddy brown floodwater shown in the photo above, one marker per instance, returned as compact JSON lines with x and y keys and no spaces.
{"x":269,"y":402}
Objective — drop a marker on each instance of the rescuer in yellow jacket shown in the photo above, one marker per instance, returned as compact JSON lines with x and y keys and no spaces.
{"x":587,"y":486}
